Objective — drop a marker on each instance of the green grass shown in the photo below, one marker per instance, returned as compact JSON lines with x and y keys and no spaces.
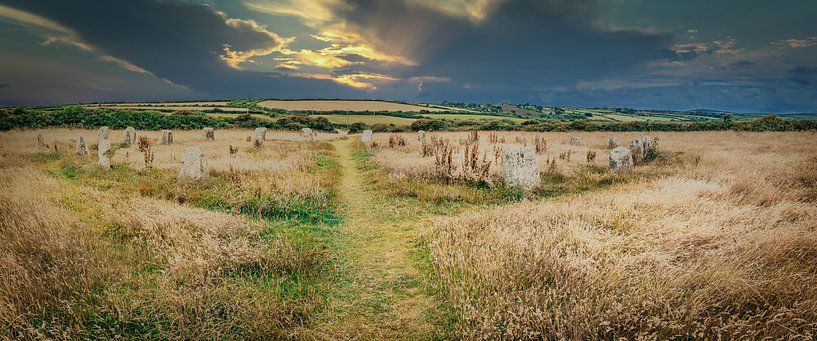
{"x":468,"y":117}
{"x":368,"y":119}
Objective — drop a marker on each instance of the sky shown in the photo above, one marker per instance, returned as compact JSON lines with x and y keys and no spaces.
{"x":736,"y":55}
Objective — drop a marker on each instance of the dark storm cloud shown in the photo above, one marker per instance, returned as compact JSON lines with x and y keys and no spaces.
{"x":804,"y":75}
{"x":180,"y":42}
{"x":5,"y":85}
{"x":520,"y":44}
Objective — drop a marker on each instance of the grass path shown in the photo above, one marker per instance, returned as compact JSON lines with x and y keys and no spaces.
{"x":379,"y":294}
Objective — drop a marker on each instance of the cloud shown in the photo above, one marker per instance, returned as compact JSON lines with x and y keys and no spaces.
{"x":190,"y":45}
{"x":804,"y":75}
{"x":797,"y":43}
{"x":525,"y":44}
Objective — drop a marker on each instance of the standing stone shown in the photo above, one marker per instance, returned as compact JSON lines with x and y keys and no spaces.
{"x":82,"y":148}
{"x":641,"y":148}
{"x":261,"y":134}
{"x":621,"y":159}
{"x":612,"y":143}
{"x":102,"y":134}
{"x":130,"y":136}
{"x":367,"y":136}
{"x":647,"y":146}
{"x":519,"y":167}
{"x":104,"y":152}
{"x":194,"y":165}
{"x":421,"y":136}
{"x":308,"y":134}
{"x":167,"y":137}
{"x":574,"y":141}
{"x":209,"y":134}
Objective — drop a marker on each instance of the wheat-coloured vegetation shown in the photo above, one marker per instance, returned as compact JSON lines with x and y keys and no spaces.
{"x":131,"y":252}
{"x":710,"y":235}
{"x":722,"y":245}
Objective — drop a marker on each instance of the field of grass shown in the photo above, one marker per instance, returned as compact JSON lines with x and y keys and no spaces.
{"x":467,"y":117}
{"x":170,"y":107}
{"x":368,"y":119}
{"x":713,"y":238}
{"x":344,"y":105}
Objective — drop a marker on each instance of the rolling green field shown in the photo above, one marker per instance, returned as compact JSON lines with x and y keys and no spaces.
{"x":367,"y":119}
{"x":463,"y":117}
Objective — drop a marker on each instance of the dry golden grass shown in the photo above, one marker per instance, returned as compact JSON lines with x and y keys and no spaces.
{"x":283,"y":150}
{"x":722,"y":246}
{"x":340,"y":105}
{"x":94,"y":254}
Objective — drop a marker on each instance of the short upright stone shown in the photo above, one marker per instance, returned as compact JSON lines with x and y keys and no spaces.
{"x":104,"y":152}
{"x":209,"y":134}
{"x":621,"y":159}
{"x":308,"y":134}
{"x":194,"y":165}
{"x":102,"y":133}
{"x":261,"y":134}
{"x":421,"y":136}
{"x":574,"y":141}
{"x":130,"y":136}
{"x":519,"y":167}
{"x":167,"y":137}
{"x":612,"y":142}
{"x":367,"y":136}
{"x":82,"y":148}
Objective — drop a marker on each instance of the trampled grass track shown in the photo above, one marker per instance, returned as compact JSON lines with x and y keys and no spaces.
{"x":380,"y":291}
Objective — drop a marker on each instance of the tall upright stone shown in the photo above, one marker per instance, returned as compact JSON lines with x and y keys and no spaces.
{"x":261,"y":134}
{"x":648,"y":145}
{"x":193,"y":165}
{"x":209,"y":134}
{"x":367,"y":136}
{"x":82,"y":148}
{"x":104,"y":152}
{"x":308,"y":134}
{"x":130,"y":136}
{"x":642,"y":148}
{"x":621,"y":159}
{"x":421,"y":135}
{"x":575,"y":141}
{"x":519,"y":167}
{"x":167,"y":137}
{"x":102,"y":133}
{"x":612,"y":142}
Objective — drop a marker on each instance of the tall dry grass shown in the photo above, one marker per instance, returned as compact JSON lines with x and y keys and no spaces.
{"x":94,"y":254}
{"x":722,"y":246}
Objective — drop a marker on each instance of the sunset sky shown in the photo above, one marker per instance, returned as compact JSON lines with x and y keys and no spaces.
{"x":740,"y":55}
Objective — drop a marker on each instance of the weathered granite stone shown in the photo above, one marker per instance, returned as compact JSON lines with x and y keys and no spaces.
{"x":308,"y":134}
{"x":261,"y":134}
{"x":621,"y":159}
{"x":130,"y":136}
{"x":104,"y":152}
{"x":167,"y":137}
{"x":421,"y":136}
{"x":612,"y":143}
{"x":367,"y":136}
{"x":519,"y":167}
{"x":575,"y":141}
{"x":102,"y":133}
{"x":82,"y":148}
{"x":193,"y":165}
{"x":209,"y":134}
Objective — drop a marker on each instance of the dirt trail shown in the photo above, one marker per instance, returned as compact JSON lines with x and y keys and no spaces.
{"x":378,"y":295}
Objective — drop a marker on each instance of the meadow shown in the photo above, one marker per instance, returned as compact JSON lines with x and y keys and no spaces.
{"x":713,"y":236}
{"x":345,"y":105}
